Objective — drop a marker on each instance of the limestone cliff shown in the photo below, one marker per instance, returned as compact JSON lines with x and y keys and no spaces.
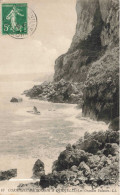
{"x":96,"y":31}
{"x":101,"y":91}
{"x":93,"y":57}
{"x":92,"y":61}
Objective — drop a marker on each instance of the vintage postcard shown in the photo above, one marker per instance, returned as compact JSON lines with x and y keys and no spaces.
{"x":59,"y":97}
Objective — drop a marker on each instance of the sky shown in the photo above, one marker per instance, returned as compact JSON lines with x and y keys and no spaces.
{"x":53,"y":36}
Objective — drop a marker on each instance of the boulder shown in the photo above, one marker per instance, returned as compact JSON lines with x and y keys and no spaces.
{"x":76,"y":182}
{"x":44,"y":181}
{"x":16,"y":100}
{"x":90,"y":145}
{"x":112,"y":136}
{"x":79,"y":173}
{"x":93,"y":161}
{"x":82,"y":179}
{"x":54,"y":179}
{"x":94,"y":143}
{"x":111,"y":148}
{"x":69,"y":147}
{"x":69,"y":158}
{"x":38,"y":169}
{"x":74,"y":168}
{"x":108,"y":175}
{"x":6,"y":175}
{"x":67,"y":176}
{"x":85,"y":168}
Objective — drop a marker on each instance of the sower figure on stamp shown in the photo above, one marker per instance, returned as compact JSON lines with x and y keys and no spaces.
{"x":12,"y":16}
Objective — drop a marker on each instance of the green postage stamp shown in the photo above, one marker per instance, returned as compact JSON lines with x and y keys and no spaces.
{"x":14,"y":18}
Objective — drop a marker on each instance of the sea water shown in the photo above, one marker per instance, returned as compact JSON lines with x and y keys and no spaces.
{"x":25,"y":137}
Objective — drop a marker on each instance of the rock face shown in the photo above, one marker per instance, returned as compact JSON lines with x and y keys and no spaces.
{"x":93,"y":57}
{"x":101,"y":91}
{"x":6,"y":175}
{"x":96,"y":31}
{"x":38,"y":169}
{"x":92,"y":61}
{"x":16,"y":100}
{"x":57,"y":92}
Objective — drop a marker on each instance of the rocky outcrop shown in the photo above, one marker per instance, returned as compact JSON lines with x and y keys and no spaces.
{"x":96,"y":31}
{"x":86,"y":163}
{"x":101,"y":90}
{"x":81,"y":165}
{"x":6,"y":175}
{"x":38,"y":169}
{"x":57,"y":92}
{"x":93,"y":57}
{"x":16,"y":100}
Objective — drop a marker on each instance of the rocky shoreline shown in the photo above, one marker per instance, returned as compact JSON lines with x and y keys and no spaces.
{"x":88,"y":75}
{"x":7,"y":175}
{"x":57,"y":92}
{"x":93,"y":161}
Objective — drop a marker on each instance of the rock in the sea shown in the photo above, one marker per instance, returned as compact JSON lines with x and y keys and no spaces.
{"x":16,"y":100}
{"x":6,"y":175}
{"x":38,"y":169}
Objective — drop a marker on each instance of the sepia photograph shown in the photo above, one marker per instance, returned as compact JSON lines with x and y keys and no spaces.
{"x":59,"y":97}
